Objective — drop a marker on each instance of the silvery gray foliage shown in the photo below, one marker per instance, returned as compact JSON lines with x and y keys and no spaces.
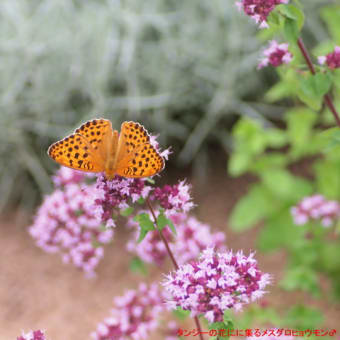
{"x":178,"y":66}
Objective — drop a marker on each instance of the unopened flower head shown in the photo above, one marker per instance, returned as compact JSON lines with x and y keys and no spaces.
{"x":32,"y":335}
{"x":259,"y":9}
{"x":332,"y":60}
{"x":316,"y":207}
{"x":173,"y":198}
{"x":135,"y":315}
{"x":276,"y":54}
{"x":116,"y":194}
{"x":215,"y":283}
{"x":66,"y":223}
{"x":191,"y":239}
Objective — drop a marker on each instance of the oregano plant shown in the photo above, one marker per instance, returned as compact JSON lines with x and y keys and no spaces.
{"x":299,"y":209}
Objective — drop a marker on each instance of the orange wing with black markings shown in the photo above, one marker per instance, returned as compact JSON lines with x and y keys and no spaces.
{"x":77,"y":153}
{"x":136,"y":156}
{"x":98,"y":132}
{"x":96,"y":147}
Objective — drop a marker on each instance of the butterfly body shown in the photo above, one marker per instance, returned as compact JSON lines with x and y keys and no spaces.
{"x":96,"y":147}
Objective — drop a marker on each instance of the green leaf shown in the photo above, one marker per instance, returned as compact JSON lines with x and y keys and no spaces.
{"x":331,"y":17}
{"x":302,"y":317}
{"x":301,"y":278}
{"x":316,"y":85}
{"x":300,"y":122}
{"x":314,"y":102}
{"x":257,"y":204}
{"x":284,"y":185}
{"x":138,"y":266}
{"x":180,"y":313}
{"x":323,"y":83}
{"x":276,"y":138}
{"x":329,"y":257}
{"x":278,"y":91}
{"x":294,"y":13}
{"x":269,"y":161}
{"x":328,"y":139}
{"x":256,"y":314}
{"x":126,"y":212}
{"x":163,"y":221}
{"x":327,"y":179}
{"x":329,"y":142}
{"x":221,"y":329}
{"x":279,"y":231}
{"x":294,"y":20}
{"x":336,"y":78}
{"x":291,"y":30}
{"x":141,"y":200}
{"x":239,"y":163}
{"x":274,"y":19}
{"x":305,"y":252}
{"x":251,"y":139}
{"x":145,"y":225}
{"x":249,"y":136}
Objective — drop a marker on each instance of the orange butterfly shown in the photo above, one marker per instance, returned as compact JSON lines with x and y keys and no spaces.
{"x":96,"y":147}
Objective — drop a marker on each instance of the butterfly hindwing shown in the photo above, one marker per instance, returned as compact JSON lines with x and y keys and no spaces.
{"x":136,"y":156}
{"x":75,"y":152}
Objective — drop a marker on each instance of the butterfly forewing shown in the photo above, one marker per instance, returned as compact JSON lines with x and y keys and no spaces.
{"x":76,"y":152}
{"x":136,"y":156}
{"x":131,"y":136}
{"x":98,"y":132}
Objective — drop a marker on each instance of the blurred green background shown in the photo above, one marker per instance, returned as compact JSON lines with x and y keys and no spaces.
{"x":185,"y":69}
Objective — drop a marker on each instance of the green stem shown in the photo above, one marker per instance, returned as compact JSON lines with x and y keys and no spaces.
{"x":173,"y":260}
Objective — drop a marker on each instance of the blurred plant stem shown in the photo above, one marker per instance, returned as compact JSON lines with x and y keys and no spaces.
{"x":327,"y":99}
{"x":174,"y":262}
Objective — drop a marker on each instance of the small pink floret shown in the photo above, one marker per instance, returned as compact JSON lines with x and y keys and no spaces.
{"x":276,"y":54}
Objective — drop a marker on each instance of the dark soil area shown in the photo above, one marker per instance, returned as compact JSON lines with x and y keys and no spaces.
{"x":37,"y":291}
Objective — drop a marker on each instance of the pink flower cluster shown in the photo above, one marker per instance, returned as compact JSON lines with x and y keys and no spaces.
{"x":316,"y":207}
{"x":66,"y":223}
{"x":66,"y":176}
{"x":33,"y":335}
{"x":173,"y":198}
{"x":135,"y":315}
{"x":115,"y":195}
{"x":259,"y":9}
{"x":276,"y":54}
{"x":192,"y":238}
{"x":332,"y":59}
{"x":112,"y":196}
{"x":215,"y":283}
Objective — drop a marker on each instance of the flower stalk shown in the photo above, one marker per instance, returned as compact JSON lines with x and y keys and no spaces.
{"x":171,"y":255}
{"x":327,"y":98}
